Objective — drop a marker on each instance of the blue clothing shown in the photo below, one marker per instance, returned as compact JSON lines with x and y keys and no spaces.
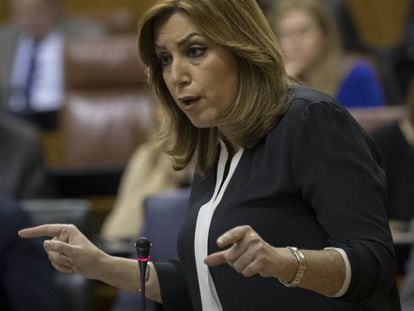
{"x":361,"y":88}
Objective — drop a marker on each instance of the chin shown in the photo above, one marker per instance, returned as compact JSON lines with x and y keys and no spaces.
{"x":200,"y":124}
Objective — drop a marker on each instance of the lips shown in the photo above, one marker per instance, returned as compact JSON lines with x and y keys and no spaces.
{"x":189,"y":101}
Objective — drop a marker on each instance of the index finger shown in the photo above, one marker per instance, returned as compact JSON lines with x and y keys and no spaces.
{"x":233,"y":235}
{"x":50,"y":230}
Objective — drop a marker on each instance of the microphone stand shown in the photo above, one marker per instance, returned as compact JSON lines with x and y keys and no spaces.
{"x":142,"y":247}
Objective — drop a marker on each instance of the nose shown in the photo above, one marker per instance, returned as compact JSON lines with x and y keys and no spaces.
{"x":180,"y":73}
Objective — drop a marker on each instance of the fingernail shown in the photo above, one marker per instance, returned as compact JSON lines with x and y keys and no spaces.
{"x":47,"y":244}
{"x":220,"y":240}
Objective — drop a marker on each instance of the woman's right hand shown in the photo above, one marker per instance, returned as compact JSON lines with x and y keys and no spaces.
{"x":69,"y":250}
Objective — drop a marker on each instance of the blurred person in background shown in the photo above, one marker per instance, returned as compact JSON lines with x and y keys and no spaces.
{"x":32,"y":52}
{"x":26,"y":279}
{"x":312,"y":51}
{"x":149,"y":171}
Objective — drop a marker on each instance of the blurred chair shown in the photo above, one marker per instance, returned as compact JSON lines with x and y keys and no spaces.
{"x":102,"y":129}
{"x":21,"y":158}
{"x":164,"y":216}
{"x":373,"y":118}
{"x":78,"y":291}
{"x":106,"y":113}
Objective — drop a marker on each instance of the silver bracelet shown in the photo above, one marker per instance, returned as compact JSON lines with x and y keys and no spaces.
{"x":301,"y":269}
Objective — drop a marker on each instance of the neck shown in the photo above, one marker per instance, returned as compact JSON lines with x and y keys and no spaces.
{"x":231,"y":145}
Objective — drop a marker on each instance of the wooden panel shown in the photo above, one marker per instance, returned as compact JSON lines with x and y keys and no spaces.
{"x":92,"y":6}
{"x":380,"y":23}
{"x":4,"y":10}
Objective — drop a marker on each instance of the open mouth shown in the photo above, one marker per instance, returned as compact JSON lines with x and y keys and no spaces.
{"x":189,"y":101}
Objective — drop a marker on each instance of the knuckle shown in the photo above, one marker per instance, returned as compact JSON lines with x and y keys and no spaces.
{"x":247,"y":228}
{"x":255,"y":239}
{"x":61,"y":259}
{"x":248,"y":272}
{"x":259,"y":247}
{"x":56,"y":247}
{"x":237,"y":267}
{"x":70,"y":227}
{"x":229,"y":257}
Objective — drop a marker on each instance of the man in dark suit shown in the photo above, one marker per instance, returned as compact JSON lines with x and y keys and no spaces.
{"x":31,"y":62}
{"x":26,"y":278}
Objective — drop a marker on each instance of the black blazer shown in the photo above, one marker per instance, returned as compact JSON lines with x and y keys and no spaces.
{"x":314,"y":181}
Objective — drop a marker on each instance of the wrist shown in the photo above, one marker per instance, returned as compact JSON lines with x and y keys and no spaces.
{"x":301,"y":267}
{"x":104,"y":266}
{"x":287,"y":264}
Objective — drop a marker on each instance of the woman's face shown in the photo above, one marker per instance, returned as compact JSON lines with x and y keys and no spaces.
{"x":201,"y":75}
{"x":301,"y":41}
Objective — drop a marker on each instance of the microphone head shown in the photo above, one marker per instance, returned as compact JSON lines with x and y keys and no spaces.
{"x":143,"y":246}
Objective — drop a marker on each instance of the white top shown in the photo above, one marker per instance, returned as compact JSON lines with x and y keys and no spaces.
{"x":209,"y":297}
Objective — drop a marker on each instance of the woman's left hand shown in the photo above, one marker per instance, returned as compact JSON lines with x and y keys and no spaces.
{"x":249,"y":253}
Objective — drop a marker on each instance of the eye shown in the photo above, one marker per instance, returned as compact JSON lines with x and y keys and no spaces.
{"x":164,"y":59}
{"x":196,"y":51}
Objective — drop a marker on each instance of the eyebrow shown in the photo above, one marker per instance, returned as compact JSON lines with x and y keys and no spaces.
{"x":182,"y":41}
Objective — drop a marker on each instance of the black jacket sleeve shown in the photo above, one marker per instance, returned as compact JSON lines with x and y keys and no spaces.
{"x":174,"y":289}
{"x":337,"y":167}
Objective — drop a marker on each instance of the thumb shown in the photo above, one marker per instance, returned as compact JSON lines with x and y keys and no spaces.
{"x":216,"y":259}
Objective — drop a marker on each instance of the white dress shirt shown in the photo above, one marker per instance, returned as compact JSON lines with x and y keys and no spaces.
{"x":47,"y":87}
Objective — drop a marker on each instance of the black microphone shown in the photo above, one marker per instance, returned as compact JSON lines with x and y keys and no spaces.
{"x":143,"y":246}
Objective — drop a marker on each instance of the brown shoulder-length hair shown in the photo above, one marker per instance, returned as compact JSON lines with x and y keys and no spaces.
{"x":240,"y":26}
{"x":329,"y":71}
